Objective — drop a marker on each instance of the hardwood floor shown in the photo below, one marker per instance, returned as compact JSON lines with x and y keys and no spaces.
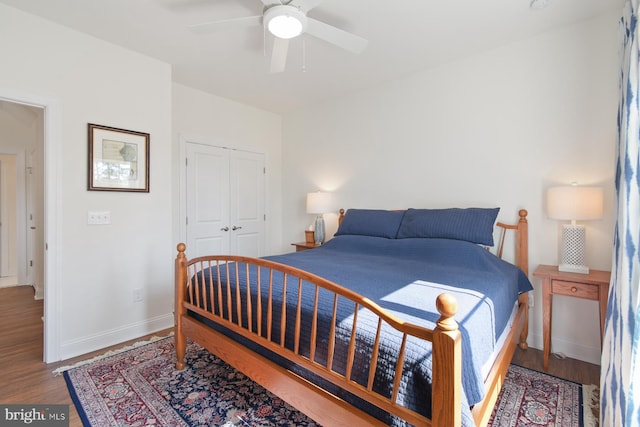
{"x":569,"y":369}
{"x":26,"y":379}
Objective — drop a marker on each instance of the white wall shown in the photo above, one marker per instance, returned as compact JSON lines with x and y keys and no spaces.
{"x":97,"y":267}
{"x":494,"y":129}
{"x":220,"y":121}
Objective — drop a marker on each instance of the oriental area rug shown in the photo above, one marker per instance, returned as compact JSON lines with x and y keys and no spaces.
{"x":139,"y":386}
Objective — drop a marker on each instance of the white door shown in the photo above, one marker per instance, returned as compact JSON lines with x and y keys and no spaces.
{"x":246,"y":203}
{"x":224,"y":201}
{"x":207,"y":200}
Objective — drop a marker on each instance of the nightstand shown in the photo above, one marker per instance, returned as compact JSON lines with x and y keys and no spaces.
{"x":303,"y":246}
{"x":592,"y":286}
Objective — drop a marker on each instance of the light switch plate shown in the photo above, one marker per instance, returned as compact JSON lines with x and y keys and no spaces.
{"x":98,"y":218}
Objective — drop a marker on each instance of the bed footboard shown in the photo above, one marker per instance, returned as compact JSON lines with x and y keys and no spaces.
{"x":234,"y":284}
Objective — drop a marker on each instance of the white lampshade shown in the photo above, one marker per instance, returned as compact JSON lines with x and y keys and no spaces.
{"x":575,"y":203}
{"x":318,"y":202}
{"x":284,"y":21}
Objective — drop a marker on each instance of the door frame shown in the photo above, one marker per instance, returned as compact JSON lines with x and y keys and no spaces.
{"x":28,"y":220}
{"x":51,"y":163}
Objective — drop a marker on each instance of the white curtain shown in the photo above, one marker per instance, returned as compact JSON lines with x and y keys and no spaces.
{"x":620,"y":374}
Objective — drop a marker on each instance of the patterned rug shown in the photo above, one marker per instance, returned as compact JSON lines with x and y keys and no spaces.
{"x":531,"y":398}
{"x":140,"y":387}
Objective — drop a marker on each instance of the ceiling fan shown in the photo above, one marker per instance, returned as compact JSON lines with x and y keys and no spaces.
{"x":286,"y":20}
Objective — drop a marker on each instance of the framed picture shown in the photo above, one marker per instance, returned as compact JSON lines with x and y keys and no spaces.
{"x":118,"y":159}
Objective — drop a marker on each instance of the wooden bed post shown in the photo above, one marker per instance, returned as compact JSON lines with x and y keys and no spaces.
{"x":523,"y":263}
{"x":180,"y":286}
{"x":522,"y":259}
{"x":447,"y":352}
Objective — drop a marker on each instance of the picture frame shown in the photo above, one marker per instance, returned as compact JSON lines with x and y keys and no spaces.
{"x":118,"y":159}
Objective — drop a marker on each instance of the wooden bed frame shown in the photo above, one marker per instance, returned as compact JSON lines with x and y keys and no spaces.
{"x":317,"y":403}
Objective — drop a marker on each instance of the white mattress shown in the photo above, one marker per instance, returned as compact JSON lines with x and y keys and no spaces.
{"x":486,"y":368}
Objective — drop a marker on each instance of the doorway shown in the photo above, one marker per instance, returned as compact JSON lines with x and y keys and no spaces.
{"x":27,"y":125}
{"x":21,"y":198}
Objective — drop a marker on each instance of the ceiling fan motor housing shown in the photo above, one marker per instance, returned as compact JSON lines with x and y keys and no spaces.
{"x":285,"y":21}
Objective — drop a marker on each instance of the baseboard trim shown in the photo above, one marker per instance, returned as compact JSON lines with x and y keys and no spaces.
{"x":88,"y":344}
{"x":39,"y":292}
{"x":570,"y":349}
{"x":9,"y":281}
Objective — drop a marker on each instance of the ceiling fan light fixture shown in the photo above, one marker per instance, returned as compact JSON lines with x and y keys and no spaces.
{"x":539,"y":4}
{"x":285,"y":22}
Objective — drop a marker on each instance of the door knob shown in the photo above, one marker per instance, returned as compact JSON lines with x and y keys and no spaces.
{"x":224,"y":229}
{"x":236,"y":228}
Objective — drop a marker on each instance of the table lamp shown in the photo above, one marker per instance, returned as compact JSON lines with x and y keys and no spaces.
{"x":574,"y":203}
{"x":319,"y":203}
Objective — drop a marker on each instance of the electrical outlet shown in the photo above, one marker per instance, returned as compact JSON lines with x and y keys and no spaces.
{"x":137,"y":295}
{"x":98,"y":218}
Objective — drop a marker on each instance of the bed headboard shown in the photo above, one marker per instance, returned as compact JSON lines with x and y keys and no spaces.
{"x":521,"y":228}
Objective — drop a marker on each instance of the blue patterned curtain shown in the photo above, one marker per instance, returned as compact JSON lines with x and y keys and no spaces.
{"x":620,"y":375}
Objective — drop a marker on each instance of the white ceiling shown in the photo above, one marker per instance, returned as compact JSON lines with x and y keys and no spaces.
{"x":405,"y":36}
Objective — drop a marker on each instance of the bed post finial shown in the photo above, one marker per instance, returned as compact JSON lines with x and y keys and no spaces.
{"x":181,"y":248}
{"x":447,"y":306}
{"x":523,"y":214}
{"x":341,"y":216}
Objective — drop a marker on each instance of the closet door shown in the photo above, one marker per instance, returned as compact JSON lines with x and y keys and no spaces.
{"x":207,"y":200}
{"x":246,"y":203}
{"x":225,"y":201}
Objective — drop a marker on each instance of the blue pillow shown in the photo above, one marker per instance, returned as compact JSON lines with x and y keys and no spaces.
{"x":472,"y":224}
{"x":371,"y":222}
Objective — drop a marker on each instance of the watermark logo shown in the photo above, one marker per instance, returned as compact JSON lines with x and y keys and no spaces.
{"x":34,"y":415}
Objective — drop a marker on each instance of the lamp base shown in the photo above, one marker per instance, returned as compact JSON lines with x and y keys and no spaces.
{"x":572,"y":259}
{"x":319,"y":230}
{"x":570,"y":268}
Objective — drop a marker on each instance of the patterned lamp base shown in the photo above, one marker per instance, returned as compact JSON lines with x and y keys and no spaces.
{"x":319,"y":230}
{"x":572,"y":260}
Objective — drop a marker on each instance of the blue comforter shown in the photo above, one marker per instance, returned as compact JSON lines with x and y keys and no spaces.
{"x":405,"y":276}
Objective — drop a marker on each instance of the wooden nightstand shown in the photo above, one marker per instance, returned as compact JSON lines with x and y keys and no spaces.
{"x":592,"y":286}
{"x":303,"y":246}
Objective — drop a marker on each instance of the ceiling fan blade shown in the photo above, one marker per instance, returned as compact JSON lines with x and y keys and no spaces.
{"x":336,"y":36}
{"x":226,"y":24}
{"x":279,"y":54}
{"x":305,"y":5}
{"x":271,"y":2}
